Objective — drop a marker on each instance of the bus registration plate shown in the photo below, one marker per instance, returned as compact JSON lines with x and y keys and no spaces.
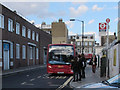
{"x":60,"y":72}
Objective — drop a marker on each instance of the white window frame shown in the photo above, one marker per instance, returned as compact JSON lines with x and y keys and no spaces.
{"x":37,"y":53}
{"x":17,"y":51}
{"x":78,"y":43}
{"x":90,"y":43}
{"x":33,"y":35}
{"x":23,"y":31}
{"x":29,"y":33}
{"x":17,"y":28}
{"x":1,"y":21}
{"x":86,"y":43}
{"x":10,"y":25}
{"x":37,"y":35}
{"x":90,"y":50}
{"x":86,"y":50}
{"x":23,"y":52}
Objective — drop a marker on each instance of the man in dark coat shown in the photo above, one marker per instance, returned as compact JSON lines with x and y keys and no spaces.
{"x":80,"y":66}
{"x":75,"y":69}
{"x":84,"y":65}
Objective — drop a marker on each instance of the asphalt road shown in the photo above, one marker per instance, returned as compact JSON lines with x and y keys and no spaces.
{"x":37,"y":78}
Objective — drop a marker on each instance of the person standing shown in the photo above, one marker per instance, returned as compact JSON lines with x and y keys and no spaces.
{"x":94,"y":63}
{"x":79,"y":66}
{"x":83,"y":65}
{"x":75,"y":69}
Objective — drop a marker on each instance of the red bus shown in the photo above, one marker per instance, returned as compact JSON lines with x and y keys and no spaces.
{"x":59,"y":58}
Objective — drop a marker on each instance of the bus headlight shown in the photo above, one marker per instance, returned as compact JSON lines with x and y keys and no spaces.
{"x":49,"y":67}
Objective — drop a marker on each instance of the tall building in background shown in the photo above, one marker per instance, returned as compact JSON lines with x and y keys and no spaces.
{"x":89,"y":43}
{"x":46,"y":28}
{"x":59,"y":32}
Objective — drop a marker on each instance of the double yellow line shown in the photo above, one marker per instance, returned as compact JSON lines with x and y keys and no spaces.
{"x":62,"y":86}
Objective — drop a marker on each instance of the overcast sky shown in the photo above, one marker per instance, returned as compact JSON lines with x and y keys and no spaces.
{"x":92,"y":13}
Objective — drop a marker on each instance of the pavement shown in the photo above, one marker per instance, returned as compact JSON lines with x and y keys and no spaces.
{"x":90,"y":78}
{"x":21,"y":69}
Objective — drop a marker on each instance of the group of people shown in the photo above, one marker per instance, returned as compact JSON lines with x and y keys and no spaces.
{"x":78,"y":67}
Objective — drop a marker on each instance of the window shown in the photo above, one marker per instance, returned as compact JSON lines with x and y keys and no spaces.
{"x":36,"y":53}
{"x":17,"y":28}
{"x":33,"y":35}
{"x":24,"y":31}
{"x":78,"y":43}
{"x":31,"y":56}
{"x":29,"y":33}
{"x":0,"y":48}
{"x":90,"y":50}
{"x":90,"y":43}
{"x":71,"y":42}
{"x":86,"y":43}
{"x":17,"y":51}
{"x":86,"y":50}
{"x":36,"y":36}
{"x":11,"y":50}
{"x":82,"y":43}
{"x":23,"y":52}
{"x":1,"y":21}
{"x":10,"y":25}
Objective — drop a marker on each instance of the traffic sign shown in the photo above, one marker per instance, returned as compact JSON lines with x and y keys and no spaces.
{"x":102,"y":27}
{"x":107,"y":20}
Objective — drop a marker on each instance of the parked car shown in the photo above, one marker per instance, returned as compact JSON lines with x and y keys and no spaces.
{"x":113,"y":82}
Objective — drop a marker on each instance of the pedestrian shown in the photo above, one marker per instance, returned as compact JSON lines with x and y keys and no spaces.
{"x":94,"y":63}
{"x":79,"y":66}
{"x":83,"y":65}
{"x":75,"y":69}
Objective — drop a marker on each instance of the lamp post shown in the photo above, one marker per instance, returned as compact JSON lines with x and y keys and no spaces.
{"x":82,"y":32}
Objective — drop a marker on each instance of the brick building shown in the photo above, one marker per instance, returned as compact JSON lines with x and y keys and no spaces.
{"x":21,"y":43}
{"x":104,"y":39}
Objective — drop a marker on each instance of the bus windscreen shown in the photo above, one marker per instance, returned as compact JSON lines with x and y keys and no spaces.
{"x":60,"y":54}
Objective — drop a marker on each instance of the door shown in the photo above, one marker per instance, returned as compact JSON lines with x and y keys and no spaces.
{"x":28,"y":55}
{"x":45,"y":56}
{"x":6,"y":56}
{"x":33,"y":55}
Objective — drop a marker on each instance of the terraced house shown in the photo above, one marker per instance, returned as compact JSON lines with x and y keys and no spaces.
{"x":21,"y":43}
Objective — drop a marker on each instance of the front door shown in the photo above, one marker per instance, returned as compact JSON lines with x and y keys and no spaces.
{"x":45,"y":55}
{"x":33,"y":55}
{"x":6,"y":56}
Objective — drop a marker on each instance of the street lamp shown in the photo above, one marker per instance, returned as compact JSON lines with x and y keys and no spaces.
{"x":82,"y":31}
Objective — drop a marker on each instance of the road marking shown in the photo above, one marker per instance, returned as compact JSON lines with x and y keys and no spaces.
{"x":23,"y":83}
{"x":47,"y":77}
{"x":57,"y":77}
{"x":29,"y":84}
{"x":32,"y":79}
{"x":27,"y":75}
{"x":51,"y":77}
{"x":64,"y":77}
{"x":39,"y":77}
{"x":62,"y":86}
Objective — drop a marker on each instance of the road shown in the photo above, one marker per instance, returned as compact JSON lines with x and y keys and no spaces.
{"x":37,"y":78}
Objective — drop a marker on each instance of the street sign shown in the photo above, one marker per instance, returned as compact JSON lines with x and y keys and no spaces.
{"x":107,"y":20}
{"x":102,"y":27}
